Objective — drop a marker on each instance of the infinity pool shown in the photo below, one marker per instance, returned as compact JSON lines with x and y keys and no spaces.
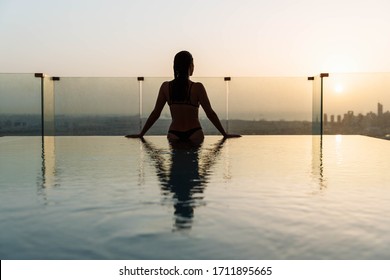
{"x":256,"y":197}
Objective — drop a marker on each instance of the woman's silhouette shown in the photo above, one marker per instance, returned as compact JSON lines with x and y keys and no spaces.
{"x":184,"y":176}
{"x":183,"y":97}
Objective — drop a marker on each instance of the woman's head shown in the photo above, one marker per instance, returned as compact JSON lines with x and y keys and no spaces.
{"x":183,"y":64}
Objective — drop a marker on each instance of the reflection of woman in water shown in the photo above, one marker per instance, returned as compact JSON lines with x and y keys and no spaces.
{"x":184,"y":175}
{"x":183,"y":97}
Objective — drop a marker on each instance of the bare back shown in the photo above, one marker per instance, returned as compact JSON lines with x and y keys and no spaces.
{"x":185,"y":115}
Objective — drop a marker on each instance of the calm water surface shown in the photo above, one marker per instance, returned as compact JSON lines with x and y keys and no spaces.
{"x":257,"y":197}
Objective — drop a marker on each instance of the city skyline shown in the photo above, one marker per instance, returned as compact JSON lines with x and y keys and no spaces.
{"x":371,"y":124}
{"x":339,"y":117}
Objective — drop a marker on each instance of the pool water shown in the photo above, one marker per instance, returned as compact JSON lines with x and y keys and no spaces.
{"x":255,"y":197}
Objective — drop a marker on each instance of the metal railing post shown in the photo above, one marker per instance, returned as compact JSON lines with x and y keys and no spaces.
{"x":323,"y":75}
{"x":41,"y":76}
{"x":140,"y":81}
{"x":227,"y":79}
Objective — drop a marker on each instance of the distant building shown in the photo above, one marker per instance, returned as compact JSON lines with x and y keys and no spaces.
{"x":332,"y":119}
{"x":325,"y":119}
{"x":348,"y":118}
{"x":380,"y":110}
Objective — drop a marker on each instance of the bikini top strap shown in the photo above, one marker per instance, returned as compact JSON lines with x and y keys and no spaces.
{"x":189,"y":94}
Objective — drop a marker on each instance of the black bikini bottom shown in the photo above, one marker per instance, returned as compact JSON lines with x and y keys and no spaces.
{"x":184,"y":135}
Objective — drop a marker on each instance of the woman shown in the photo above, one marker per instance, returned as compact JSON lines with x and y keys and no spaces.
{"x":183,"y":97}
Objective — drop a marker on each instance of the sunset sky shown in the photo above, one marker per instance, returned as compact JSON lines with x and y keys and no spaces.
{"x":226,"y":37}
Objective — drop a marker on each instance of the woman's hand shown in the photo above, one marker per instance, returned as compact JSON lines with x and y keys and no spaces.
{"x":231,"y":136}
{"x":134,"y":136}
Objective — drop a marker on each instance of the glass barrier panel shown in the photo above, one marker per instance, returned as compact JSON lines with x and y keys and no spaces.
{"x":96,"y":106}
{"x":355,"y":103}
{"x":20,"y":105}
{"x":270,"y":105}
{"x":216,"y":91}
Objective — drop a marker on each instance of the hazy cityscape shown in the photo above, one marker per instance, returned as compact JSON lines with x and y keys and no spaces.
{"x":121,"y":125}
{"x":371,"y":124}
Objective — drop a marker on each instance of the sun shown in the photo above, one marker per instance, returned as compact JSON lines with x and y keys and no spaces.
{"x":338,"y":88}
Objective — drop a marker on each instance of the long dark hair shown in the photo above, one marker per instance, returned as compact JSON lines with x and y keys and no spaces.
{"x":181,"y":65}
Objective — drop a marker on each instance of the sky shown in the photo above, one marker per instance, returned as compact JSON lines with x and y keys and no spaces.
{"x":226,"y":37}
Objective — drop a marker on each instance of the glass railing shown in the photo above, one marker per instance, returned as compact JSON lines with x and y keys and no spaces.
{"x":96,"y":106}
{"x":217,"y":92}
{"x":348,"y":103}
{"x":270,"y":105}
{"x":20,"y":104}
{"x":149,"y":91}
{"x":356,"y":103}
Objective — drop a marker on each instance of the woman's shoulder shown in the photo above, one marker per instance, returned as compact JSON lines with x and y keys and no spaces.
{"x":196,"y":83}
{"x":165,"y":84}
{"x":198,"y":87}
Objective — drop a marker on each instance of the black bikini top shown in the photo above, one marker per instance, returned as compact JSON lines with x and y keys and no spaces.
{"x":187,"y":100}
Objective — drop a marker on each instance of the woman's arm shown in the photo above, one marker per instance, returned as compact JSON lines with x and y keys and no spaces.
{"x":154,"y":115}
{"x":210,"y":113}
